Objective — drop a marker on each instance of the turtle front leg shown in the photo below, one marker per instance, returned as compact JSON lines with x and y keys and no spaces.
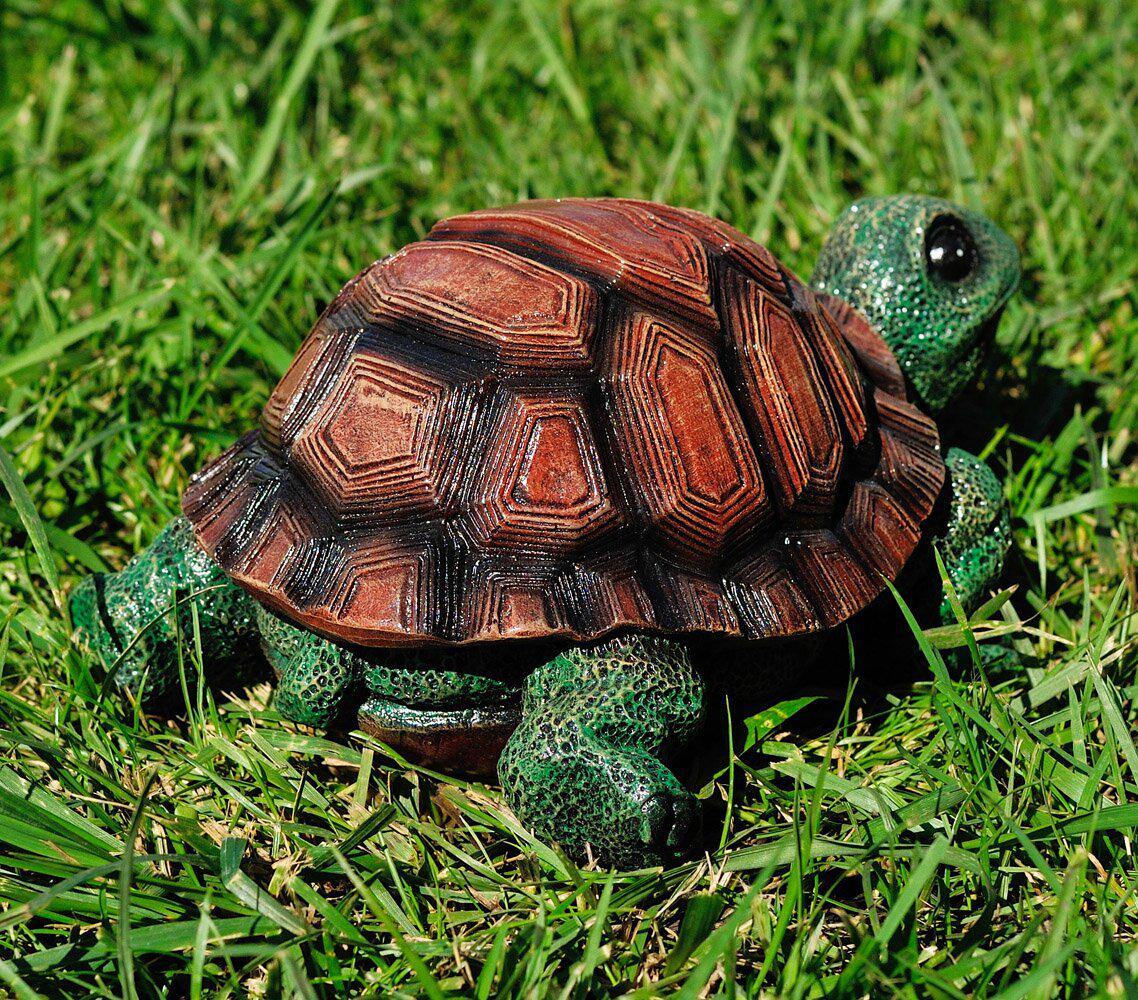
{"x":126,"y":620}
{"x":975,"y":541}
{"x":585,"y":765}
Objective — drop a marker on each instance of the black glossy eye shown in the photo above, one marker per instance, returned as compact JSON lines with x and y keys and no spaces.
{"x":949,"y":249}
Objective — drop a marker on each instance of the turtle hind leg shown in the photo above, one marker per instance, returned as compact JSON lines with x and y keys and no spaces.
{"x":125,"y":619}
{"x":585,"y":765}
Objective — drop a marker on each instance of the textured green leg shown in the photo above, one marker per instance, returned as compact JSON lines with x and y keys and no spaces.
{"x":584,"y":766}
{"x":978,"y":534}
{"x":317,"y":681}
{"x":121,"y":611}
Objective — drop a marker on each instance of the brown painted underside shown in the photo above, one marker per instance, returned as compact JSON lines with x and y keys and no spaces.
{"x":466,"y":742}
{"x":565,"y":418}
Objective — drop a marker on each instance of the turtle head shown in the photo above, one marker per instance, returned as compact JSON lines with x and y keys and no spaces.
{"x":931,"y":277}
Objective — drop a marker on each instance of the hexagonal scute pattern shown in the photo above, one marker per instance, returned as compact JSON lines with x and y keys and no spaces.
{"x":543,"y":488}
{"x":629,"y":248}
{"x":313,"y":370}
{"x":794,"y":422}
{"x":485,"y":298}
{"x":386,"y":587}
{"x":753,"y":259}
{"x":565,"y":418}
{"x":386,"y":441}
{"x":872,"y":353}
{"x":691,"y":466}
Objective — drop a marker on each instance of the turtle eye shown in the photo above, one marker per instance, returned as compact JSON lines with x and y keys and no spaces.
{"x":950,"y":251}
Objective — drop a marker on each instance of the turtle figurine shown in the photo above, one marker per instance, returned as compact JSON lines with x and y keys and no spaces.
{"x":538,"y":486}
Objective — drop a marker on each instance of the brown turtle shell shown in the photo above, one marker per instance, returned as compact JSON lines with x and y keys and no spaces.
{"x":567,"y":417}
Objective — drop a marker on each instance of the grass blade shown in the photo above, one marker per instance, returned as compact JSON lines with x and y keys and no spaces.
{"x":315,"y":37}
{"x":34,"y":526}
{"x":41,"y":352}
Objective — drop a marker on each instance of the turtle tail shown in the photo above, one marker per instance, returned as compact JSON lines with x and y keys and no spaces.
{"x":170,"y":611}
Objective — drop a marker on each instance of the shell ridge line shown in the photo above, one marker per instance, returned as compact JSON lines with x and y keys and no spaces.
{"x":874,"y":428}
{"x":727,"y":274}
{"x":841,"y":355}
{"x":613,"y":312}
{"x":612,"y":379}
{"x":385,"y":312}
{"x":844,"y":485}
{"x":460,"y":311}
{"x":526,"y":244}
{"x":903,"y":442}
{"x":733,"y":426}
{"x":233,"y":548}
{"x":528,"y":247}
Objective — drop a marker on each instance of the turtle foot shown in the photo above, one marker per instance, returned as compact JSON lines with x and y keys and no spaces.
{"x":619,"y":804}
{"x":585,"y":766}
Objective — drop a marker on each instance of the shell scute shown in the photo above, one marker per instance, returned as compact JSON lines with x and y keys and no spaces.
{"x":770,"y":599}
{"x":689,"y":460}
{"x":837,"y":364}
{"x":871,"y":351}
{"x":688,"y":600}
{"x":607,"y":591}
{"x":750,"y":258}
{"x":387,"y":439}
{"x":619,"y":244}
{"x":830,"y":573}
{"x":795,"y":423}
{"x":543,"y":488}
{"x":910,"y":467}
{"x":384,"y":587}
{"x":487,"y":299}
{"x":878,"y":529}
{"x":505,"y":600}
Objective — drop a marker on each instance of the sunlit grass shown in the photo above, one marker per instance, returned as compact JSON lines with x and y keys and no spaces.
{"x":183,"y":189}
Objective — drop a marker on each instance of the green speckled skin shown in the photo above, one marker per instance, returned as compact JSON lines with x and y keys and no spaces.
{"x":586,"y":764}
{"x":595,"y":725}
{"x":111,"y":613}
{"x":939,"y":331}
{"x":317,"y":681}
{"x":978,"y":534}
{"x":320,"y":681}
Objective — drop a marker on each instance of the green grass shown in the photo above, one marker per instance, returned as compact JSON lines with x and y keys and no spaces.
{"x":183,"y":186}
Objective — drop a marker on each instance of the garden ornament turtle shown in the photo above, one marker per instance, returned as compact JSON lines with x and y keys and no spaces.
{"x":537,"y":484}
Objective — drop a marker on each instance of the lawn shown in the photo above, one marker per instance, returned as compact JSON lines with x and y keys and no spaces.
{"x":184,"y":186}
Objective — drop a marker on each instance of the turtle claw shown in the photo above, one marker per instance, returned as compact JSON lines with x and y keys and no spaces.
{"x":670,"y":822}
